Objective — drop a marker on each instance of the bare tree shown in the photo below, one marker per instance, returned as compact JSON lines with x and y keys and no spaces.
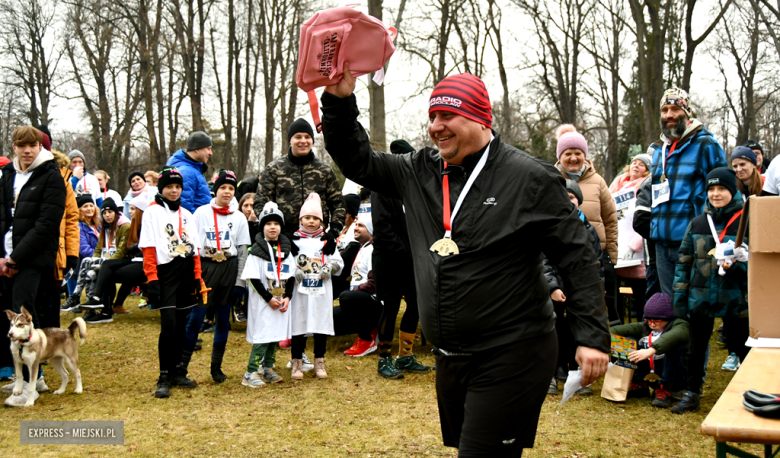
{"x":692,"y":43}
{"x":770,"y":17}
{"x":11,"y":116}
{"x":494,"y":34}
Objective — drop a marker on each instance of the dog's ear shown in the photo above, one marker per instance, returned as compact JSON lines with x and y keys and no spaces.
{"x":26,"y":314}
{"x":11,"y":315}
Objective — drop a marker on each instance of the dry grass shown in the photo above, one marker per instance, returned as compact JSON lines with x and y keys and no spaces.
{"x":352,"y":413}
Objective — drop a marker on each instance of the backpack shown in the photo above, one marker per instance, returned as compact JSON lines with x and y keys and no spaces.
{"x":337,"y":35}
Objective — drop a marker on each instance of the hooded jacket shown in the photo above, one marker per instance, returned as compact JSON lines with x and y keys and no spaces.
{"x":289,"y":180}
{"x":698,"y":288}
{"x":697,"y":154}
{"x":493,"y":292}
{"x":195,"y":192}
{"x":38,"y":214}
{"x":70,"y":237}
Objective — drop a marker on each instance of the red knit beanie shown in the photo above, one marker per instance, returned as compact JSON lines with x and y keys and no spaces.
{"x":465,"y":95}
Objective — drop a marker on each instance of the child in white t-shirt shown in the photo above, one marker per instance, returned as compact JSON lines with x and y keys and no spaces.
{"x":172,"y":265}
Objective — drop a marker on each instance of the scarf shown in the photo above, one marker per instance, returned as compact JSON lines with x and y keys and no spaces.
{"x":170,"y":204}
{"x":137,"y":193}
{"x":576,"y":176}
{"x":221,"y":210}
{"x":303,"y":232}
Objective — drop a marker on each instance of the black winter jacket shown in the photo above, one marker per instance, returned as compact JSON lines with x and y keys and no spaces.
{"x":554,"y":281}
{"x":643,"y":215}
{"x":390,"y":234}
{"x":493,"y":293}
{"x":37,"y":217}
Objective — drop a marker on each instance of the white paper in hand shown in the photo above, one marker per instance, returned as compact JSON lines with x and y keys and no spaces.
{"x":573,"y":383}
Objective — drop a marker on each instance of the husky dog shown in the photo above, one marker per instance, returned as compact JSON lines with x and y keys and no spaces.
{"x":32,"y":346}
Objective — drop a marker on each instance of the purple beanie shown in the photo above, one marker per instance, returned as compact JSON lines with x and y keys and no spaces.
{"x":572,"y":140}
{"x":659,"y":307}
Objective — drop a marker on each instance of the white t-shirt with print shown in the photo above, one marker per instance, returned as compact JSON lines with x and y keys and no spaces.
{"x":362,"y":265}
{"x":233,"y":231}
{"x":160,"y":230}
{"x":89,"y":185}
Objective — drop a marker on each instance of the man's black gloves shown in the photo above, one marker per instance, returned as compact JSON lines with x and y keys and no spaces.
{"x":330,"y":238}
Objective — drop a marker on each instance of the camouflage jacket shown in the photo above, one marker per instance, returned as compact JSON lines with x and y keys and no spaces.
{"x":697,"y":286}
{"x":289,"y":180}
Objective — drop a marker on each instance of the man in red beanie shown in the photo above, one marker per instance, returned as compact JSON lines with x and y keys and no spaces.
{"x":481,"y":213}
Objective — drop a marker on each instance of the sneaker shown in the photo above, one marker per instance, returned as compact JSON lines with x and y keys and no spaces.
{"x":76,"y":310}
{"x":41,"y":386}
{"x":182,"y":381}
{"x":387,"y":369}
{"x":135,"y":291}
{"x":99,"y":318}
{"x":198,"y":346}
{"x":677,"y":395}
{"x":662,"y":398}
{"x":163,"y":387}
{"x":285,"y":344}
{"x":92,"y":303}
{"x":252,"y":380}
{"x":361,"y":348}
{"x":20,"y":400}
{"x":240,"y":316}
{"x":689,"y":403}
{"x":89,"y":314}
{"x":638,"y":390}
{"x":731,"y":364}
{"x":584,"y":391}
{"x":722,"y":340}
{"x":319,"y":368}
{"x":70,"y":303}
{"x":307,"y":364}
{"x":208,"y":327}
{"x":120,"y":310}
{"x":410,"y":364}
{"x":561,"y":374}
{"x":553,"y":389}
{"x":142,"y":303}
{"x":7,"y":373}
{"x":10,"y":387}
{"x":269,"y":376}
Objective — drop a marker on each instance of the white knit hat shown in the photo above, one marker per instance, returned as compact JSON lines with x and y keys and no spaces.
{"x":271,"y":213}
{"x":365,"y":219}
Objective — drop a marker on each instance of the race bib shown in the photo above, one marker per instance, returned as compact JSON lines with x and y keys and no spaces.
{"x":661,"y":193}
{"x":312,"y":285}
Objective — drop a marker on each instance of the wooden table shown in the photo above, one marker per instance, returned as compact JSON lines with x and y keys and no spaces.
{"x":730,"y":422}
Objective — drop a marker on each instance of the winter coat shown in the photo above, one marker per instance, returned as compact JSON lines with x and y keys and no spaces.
{"x":122,"y":233}
{"x":698,"y":288}
{"x":289,"y":180}
{"x":195,"y":192}
{"x":38,"y":215}
{"x":493,"y":292}
{"x":551,"y":273}
{"x":389,"y":219}
{"x":697,"y":154}
{"x":69,"y":226}
{"x":599,"y":207}
{"x":675,"y":334}
{"x":246,"y":186}
{"x":88,"y":240}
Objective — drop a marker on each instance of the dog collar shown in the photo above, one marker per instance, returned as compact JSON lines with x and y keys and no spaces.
{"x":24,"y":341}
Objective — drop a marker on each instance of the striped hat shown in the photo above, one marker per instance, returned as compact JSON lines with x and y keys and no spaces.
{"x":465,"y":95}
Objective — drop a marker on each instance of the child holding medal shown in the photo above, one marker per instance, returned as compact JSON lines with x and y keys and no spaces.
{"x":312,"y":306}
{"x":170,"y":245}
{"x":224,"y":235}
{"x":269,"y":274}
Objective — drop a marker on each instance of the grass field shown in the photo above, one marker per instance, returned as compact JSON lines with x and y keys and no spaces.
{"x":352,"y":413}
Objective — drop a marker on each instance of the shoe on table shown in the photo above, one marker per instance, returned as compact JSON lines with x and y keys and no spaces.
{"x":553,"y":389}
{"x":662,"y":398}
{"x":584,"y":391}
{"x":319,"y":368}
{"x":252,"y":380}
{"x":361,"y":348}
{"x":731,"y":364}
{"x":722,"y":340}
{"x":92,"y":303}
{"x":410,"y":364}
{"x":20,"y":400}
{"x":690,"y":402}
{"x":163,"y":387}
{"x":270,"y":376}
{"x":387,"y":369}
{"x":7,"y":373}
{"x":120,"y":310}
{"x":99,"y":318}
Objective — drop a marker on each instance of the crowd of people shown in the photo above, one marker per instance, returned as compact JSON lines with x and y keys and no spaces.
{"x":521,"y":271}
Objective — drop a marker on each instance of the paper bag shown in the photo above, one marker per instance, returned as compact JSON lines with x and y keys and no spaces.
{"x":616,"y":383}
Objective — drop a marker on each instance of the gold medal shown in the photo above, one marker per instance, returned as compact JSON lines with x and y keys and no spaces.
{"x":218,"y":257}
{"x":652,"y":377}
{"x":277,"y":292}
{"x":663,"y":178}
{"x":445,"y":247}
{"x":181,"y":249}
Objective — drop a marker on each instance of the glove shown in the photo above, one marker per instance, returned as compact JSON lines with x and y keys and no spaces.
{"x":330,"y":238}
{"x":629,"y":255}
{"x":298,"y":275}
{"x":72,"y":263}
{"x":153,"y":292}
{"x":325,"y":272}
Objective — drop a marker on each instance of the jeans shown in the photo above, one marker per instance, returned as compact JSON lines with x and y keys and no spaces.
{"x":666,"y":262}
{"x":651,"y":275}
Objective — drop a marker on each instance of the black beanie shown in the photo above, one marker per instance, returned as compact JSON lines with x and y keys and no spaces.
{"x":752,"y":144}
{"x":198,"y":140}
{"x":135,"y":174}
{"x":723,"y":176}
{"x":109,"y":204}
{"x":353,"y":204}
{"x":169,"y":175}
{"x":225,"y":177}
{"x":83,"y":200}
{"x":299,"y":125}
{"x":574,"y":188}
{"x":401,"y":147}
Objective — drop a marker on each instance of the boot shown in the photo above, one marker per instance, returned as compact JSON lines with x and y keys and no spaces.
{"x":163,"y":387}
{"x":216,"y":364}
{"x":297,"y":369}
{"x":180,"y":375}
{"x":319,"y":368}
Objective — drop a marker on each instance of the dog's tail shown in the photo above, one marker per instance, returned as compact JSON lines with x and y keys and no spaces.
{"x":81,"y":326}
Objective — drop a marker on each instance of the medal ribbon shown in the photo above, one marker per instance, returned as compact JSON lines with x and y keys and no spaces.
{"x":278,"y":260}
{"x":179,"y":222}
{"x":216,"y":228}
{"x":723,"y":233}
{"x":665,"y":156}
{"x":651,"y":358}
{"x":445,"y":183}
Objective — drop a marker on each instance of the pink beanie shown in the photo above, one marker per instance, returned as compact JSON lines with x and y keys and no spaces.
{"x":568,"y":137}
{"x":312,"y":206}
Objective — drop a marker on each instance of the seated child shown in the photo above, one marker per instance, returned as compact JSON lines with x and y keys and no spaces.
{"x":269,"y":274}
{"x":662,"y":343}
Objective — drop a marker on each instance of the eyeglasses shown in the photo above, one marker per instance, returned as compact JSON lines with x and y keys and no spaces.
{"x":652,"y":321}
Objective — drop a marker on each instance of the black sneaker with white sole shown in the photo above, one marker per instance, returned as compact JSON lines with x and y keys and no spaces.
{"x":99,"y":318}
{"x":70,"y":303}
{"x":92,"y":303}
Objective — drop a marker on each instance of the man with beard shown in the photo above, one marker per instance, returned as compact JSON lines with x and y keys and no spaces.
{"x":682,"y":158}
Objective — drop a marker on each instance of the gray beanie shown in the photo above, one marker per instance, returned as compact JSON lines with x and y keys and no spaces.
{"x":198,"y":140}
{"x":646,"y":159}
{"x":77,"y":153}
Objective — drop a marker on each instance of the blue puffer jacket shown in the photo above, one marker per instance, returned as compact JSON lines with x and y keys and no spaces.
{"x":88,"y":240}
{"x":196,"y":191}
{"x":697,"y":153}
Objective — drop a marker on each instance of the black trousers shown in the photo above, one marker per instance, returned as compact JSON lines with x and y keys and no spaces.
{"x":358,"y":312}
{"x":299,"y":345}
{"x":567,"y":348}
{"x":114,"y":271}
{"x":490,"y":401}
{"x":701,"y":327}
{"x":394,"y":278}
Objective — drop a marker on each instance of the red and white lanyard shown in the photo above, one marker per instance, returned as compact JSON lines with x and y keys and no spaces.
{"x":448,"y":218}
{"x":719,"y":239}
{"x":665,"y":156}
